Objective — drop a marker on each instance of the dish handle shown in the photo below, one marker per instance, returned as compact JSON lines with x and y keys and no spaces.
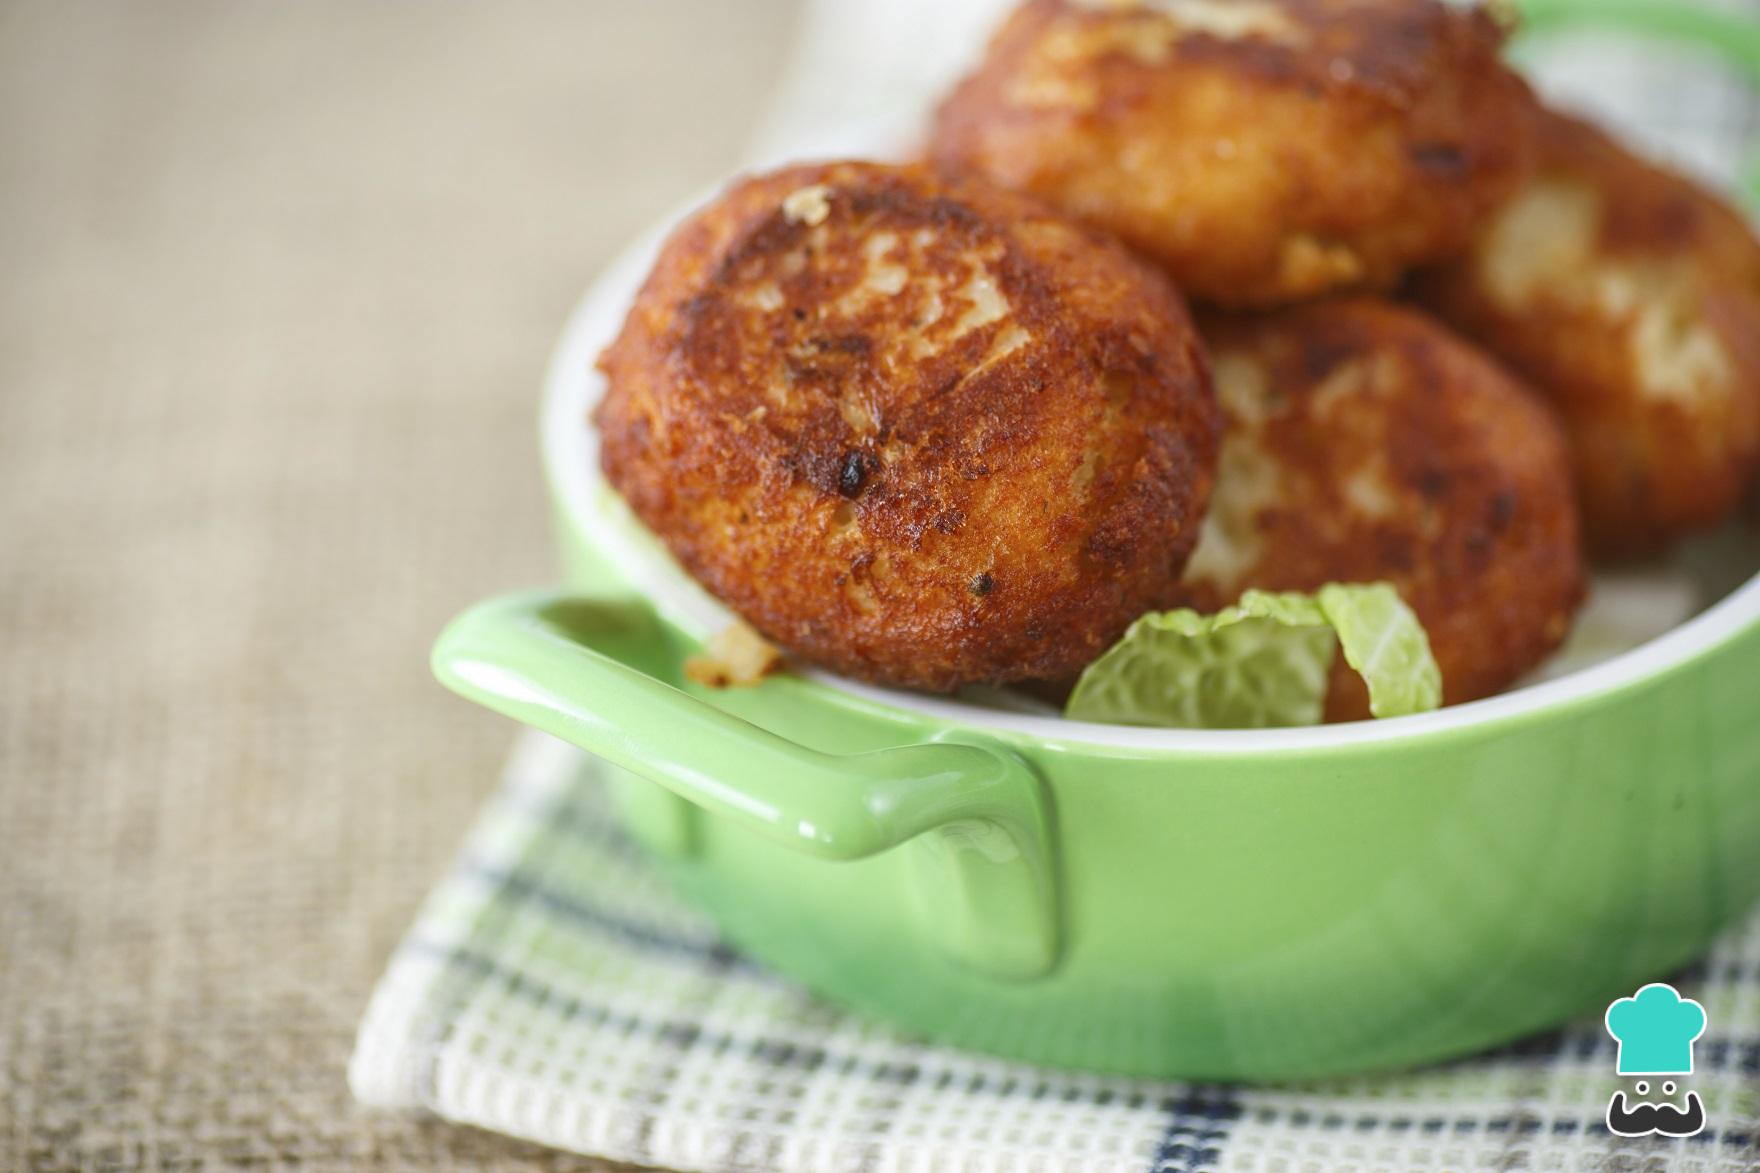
{"x":975,"y":816}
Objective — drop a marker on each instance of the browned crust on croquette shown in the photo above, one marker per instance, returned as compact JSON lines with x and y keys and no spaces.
{"x":922,"y":431}
{"x":1332,"y":148}
{"x":1652,"y":274}
{"x":1401,"y":454}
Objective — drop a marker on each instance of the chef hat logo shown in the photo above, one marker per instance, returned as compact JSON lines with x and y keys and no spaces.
{"x":1655,"y":1029}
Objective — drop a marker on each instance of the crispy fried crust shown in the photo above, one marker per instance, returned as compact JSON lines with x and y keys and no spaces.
{"x":1363,"y":443}
{"x":1264,"y":150}
{"x":925,"y":432}
{"x":1631,"y":299}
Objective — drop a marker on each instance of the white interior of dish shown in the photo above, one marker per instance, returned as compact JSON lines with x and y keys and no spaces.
{"x":1637,"y":623}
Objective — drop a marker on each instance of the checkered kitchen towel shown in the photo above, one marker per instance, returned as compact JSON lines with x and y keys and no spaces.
{"x":554,"y":989}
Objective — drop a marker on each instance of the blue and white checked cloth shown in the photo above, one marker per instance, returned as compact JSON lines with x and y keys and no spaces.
{"x":555,"y":990}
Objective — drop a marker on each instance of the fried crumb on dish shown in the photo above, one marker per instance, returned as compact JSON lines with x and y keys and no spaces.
{"x":734,"y":657}
{"x":1366,"y":443}
{"x":921,"y":430}
{"x":1265,"y":151}
{"x":1630,"y":298}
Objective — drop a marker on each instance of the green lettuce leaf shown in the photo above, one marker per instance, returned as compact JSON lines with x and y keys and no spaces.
{"x":1263,"y":662}
{"x":1386,"y":645}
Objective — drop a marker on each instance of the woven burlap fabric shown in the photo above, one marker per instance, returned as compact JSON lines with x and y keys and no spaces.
{"x":278,"y":286}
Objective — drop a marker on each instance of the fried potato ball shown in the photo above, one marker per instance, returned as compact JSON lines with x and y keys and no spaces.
{"x":1366,"y":443}
{"x":1265,"y":151}
{"x":923,"y":431}
{"x":1630,"y":298}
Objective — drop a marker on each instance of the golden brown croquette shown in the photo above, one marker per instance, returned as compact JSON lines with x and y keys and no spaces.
{"x":1265,"y":151}
{"x":1366,"y":443}
{"x":920,"y":430}
{"x":1630,"y":298}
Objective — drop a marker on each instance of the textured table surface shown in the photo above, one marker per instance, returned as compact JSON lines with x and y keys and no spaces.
{"x":279,"y":283}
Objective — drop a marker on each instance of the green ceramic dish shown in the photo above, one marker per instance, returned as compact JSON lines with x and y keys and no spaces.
{"x":1244,"y":905}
